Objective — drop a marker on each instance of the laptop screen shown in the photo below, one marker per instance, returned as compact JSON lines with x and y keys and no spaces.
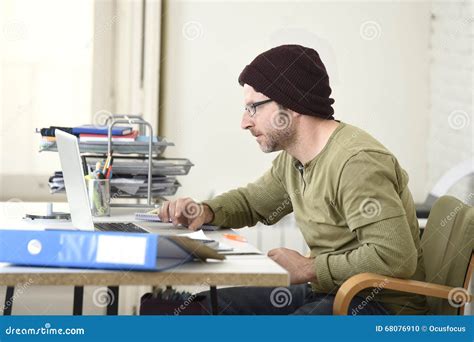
{"x":74,"y":181}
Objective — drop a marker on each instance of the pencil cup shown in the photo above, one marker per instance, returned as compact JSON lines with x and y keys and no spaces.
{"x":99,"y":196}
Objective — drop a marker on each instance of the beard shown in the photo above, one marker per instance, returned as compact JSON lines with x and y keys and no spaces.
{"x":277,"y":139}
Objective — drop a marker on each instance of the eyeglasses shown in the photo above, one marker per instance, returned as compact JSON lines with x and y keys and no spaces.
{"x":252,"y":108}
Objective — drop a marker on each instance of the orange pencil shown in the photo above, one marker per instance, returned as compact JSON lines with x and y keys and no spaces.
{"x":235,"y":237}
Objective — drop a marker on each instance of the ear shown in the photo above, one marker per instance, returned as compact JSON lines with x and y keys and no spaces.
{"x":288,"y":111}
{"x":295,"y":114}
{"x":292,"y":113}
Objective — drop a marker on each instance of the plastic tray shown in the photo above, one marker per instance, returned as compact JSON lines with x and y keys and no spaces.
{"x":135,"y":147}
{"x":138,"y":166}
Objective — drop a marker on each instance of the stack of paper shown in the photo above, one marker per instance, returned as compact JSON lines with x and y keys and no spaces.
{"x":129,"y":159}
{"x":123,"y":186}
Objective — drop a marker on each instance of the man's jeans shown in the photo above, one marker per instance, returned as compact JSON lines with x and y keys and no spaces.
{"x":296,"y":300}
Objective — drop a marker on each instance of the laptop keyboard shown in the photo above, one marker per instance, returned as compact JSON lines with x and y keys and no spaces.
{"x":119,"y":227}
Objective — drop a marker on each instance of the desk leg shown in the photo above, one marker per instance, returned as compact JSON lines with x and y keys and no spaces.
{"x":78,"y":300}
{"x":214,"y":308}
{"x":112,"y":307}
{"x":7,"y":308}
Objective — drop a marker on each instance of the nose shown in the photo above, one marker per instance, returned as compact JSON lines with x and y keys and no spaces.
{"x":246,"y":122}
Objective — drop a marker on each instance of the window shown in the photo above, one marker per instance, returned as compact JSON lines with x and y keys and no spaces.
{"x":63,"y":61}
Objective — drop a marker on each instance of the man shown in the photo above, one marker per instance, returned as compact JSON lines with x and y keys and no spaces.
{"x":348,"y":193}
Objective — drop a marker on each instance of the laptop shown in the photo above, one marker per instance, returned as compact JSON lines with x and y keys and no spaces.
{"x":76,"y":189}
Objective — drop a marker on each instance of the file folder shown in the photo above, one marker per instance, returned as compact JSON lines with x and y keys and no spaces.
{"x":99,"y":250}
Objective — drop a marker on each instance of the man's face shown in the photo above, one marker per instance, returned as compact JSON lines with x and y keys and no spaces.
{"x":273,"y":127}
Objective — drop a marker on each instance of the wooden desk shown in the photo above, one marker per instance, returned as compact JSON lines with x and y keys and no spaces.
{"x":249,"y":270}
{"x":255,"y":270}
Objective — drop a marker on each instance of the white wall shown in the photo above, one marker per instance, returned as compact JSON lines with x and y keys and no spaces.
{"x":451,"y":138}
{"x":376,"y":54}
{"x":46,"y":78}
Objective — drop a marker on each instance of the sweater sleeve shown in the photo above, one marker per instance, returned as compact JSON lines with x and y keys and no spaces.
{"x":386,"y":248}
{"x":371,"y":205}
{"x":264,"y":200}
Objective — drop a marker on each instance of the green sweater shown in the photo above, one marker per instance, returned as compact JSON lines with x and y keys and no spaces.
{"x":353,"y":207}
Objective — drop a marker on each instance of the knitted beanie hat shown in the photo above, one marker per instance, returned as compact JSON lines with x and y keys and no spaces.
{"x":295,"y":77}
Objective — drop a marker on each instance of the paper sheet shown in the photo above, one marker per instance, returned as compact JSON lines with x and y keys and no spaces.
{"x":197,"y":235}
{"x":130,"y":186}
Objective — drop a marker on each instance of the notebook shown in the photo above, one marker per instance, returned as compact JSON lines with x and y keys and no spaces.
{"x":94,"y":129}
{"x":83,"y":137}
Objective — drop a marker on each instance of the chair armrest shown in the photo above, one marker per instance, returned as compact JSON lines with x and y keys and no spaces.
{"x":359,"y":282}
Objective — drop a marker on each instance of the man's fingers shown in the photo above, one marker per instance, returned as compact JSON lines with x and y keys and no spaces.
{"x":180,"y":210}
{"x":163,"y":214}
{"x":273,"y":252}
{"x":177,"y":209}
{"x":181,"y":205}
{"x":196,"y":223}
{"x":172,"y":211}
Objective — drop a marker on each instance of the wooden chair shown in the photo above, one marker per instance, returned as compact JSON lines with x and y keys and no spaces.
{"x":447,"y":244}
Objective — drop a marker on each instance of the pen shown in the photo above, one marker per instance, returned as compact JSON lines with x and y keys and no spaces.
{"x":109,"y":172}
{"x":106,"y":164}
{"x":235,"y":237}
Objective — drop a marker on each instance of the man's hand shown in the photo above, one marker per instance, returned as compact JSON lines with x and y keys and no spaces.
{"x":185,"y":211}
{"x":300,"y":268}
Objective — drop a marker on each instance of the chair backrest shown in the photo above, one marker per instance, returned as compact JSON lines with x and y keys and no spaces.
{"x":448,"y":244}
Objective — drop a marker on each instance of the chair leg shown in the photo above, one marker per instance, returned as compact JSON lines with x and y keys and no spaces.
{"x":214,"y":307}
{"x":78,"y":300}
{"x":7,"y":308}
